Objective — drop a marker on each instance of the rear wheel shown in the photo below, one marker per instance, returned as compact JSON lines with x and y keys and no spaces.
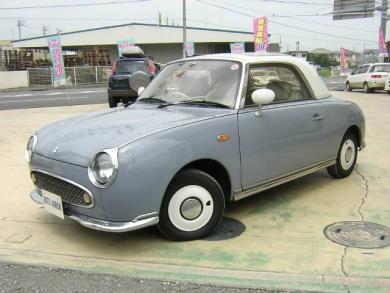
{"x":348,"y":87}
{"x":346,"y":158}
{"x":366,"y":88}
{"x":193,"y":206}
{"x":112,"y":102}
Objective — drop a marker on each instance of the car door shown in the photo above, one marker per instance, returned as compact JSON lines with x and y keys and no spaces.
{"x":352,"y":79}
{"x":362,"y":76}
{"x":289,"y":135}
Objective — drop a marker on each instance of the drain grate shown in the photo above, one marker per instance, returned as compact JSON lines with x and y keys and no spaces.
{"x":358,"y":234}
{"x":229,"y":228}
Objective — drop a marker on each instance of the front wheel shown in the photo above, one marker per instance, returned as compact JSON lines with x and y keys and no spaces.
{"x":346,"y":158}
{"x":193,"y":206}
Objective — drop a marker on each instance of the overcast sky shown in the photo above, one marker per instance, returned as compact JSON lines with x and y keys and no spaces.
{"x":351,"y":34}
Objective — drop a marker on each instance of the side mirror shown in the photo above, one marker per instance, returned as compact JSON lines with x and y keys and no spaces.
{"x":262,"y":97}
{"x":140,"y":90}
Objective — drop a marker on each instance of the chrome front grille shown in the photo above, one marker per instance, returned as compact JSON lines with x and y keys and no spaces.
{"x":68,"y":192}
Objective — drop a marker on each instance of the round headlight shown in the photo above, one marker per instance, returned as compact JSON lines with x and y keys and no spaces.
{"x":30,"y":147}
{"x":103,"y":168}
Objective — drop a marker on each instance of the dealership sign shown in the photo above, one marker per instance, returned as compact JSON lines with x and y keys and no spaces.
{"x":237,"y":47}
{"x":260,"y":31}
{"x":125,"y":44}
{"x":54,"y":43}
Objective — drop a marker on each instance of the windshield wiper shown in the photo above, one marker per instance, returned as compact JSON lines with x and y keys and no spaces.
{"x":195,"y":102}
{"x":152,"y":100}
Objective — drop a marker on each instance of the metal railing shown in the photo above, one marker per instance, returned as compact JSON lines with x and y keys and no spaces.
{"x":81,"y":75}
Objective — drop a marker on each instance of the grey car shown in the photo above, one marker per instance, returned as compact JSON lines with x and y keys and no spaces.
{"x":203,"y":133}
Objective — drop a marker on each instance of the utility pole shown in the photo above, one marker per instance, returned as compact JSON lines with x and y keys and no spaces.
{"x":297,"y":48}
{"x":20,"y":23}
{"x":184,"y":28}
{"x":45,"y":29}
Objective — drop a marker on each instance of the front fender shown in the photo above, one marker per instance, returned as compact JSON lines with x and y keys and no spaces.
{"x":147,"y":166}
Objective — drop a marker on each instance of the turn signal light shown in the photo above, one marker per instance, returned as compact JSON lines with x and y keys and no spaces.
{"x":87,"y":198}
{"x":223,"y":137}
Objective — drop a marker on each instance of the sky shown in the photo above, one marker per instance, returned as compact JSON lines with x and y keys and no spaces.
{"x":287,"y":25}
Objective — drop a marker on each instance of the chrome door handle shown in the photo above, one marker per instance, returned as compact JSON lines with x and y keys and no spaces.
{"x":317,"y":117}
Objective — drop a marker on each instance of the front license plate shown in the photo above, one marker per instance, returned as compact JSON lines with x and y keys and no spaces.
{"x":53,"y":204}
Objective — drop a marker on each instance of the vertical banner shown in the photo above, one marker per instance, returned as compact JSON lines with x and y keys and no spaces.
{"x":382,"y":45}
{"x":190,"y":48}
{"x":237,"y":47}
{"x":260,"y":32}
{"x":343,"y":63}
{"x":124,"y":44}
{"x":57,"y":60}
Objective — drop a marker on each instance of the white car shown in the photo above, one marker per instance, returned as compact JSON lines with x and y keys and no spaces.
{"x":368,"y":77}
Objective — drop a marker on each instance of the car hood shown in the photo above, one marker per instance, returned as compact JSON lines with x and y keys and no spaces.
{"x":78,"y":139}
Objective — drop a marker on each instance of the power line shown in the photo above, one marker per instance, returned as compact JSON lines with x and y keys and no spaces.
{"x":72,"y":5}
{"x":297,"y":19}
{"x":282,"y":24}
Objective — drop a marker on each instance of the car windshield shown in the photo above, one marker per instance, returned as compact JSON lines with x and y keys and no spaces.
{"x":130,"y":66}
{"x":209,"y":81}
{"x":382,"y":68}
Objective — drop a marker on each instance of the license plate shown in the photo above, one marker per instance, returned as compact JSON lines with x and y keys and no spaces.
{"x":53,"y":203}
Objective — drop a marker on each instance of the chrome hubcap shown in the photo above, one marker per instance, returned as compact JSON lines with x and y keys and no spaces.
{"x":191,"y":208}
{"x":347,"y":156}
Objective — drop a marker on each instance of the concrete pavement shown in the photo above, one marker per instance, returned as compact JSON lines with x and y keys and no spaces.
{"x":283,"y":244}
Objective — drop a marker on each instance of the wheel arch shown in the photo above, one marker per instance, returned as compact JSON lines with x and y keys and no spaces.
{"x":215,"y":169}
{"x":355,"y":130}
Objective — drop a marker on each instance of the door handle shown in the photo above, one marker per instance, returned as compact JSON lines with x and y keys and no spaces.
{"x":317,"y":117}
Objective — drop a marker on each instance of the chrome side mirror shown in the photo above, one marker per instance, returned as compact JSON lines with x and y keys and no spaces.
{"x":262,"y":97}
{"x":140,"y":90}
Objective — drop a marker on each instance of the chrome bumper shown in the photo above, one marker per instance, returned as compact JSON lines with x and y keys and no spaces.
{"x":106,"y":226}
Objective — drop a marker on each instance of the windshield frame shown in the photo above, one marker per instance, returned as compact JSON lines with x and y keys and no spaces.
{"x":240,"y":84}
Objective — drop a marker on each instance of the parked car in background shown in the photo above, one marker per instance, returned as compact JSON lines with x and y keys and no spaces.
{"x":203,"y":133}
{"x":129,"y":73}
{"x":369,"y":77}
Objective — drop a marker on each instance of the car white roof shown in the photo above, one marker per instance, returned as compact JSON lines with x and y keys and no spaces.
{"x":318,"y":87}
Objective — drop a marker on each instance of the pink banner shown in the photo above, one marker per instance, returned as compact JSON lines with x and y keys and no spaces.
{"x":343,"y":63}
{"x":260,"y":32}
{"x":382,"y":45}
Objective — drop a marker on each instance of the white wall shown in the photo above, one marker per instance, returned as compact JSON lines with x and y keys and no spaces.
{"x":13,"y":79}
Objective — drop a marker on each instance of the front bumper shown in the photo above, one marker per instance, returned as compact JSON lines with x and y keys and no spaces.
{"x":139,"y":222}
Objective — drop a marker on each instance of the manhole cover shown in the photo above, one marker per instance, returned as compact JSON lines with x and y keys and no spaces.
{"x":229,"y":228}
{"x":358,"y":234}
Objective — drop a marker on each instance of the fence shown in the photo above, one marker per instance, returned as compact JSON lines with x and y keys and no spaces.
{"x":74,"y":75}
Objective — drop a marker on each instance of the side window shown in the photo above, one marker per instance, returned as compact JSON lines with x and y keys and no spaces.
{"x":372,"y":69}
{"x":364,"y":69}
{"x":283,"y":80}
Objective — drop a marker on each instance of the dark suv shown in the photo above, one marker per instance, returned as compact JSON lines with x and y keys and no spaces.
{"x":120,"y":87}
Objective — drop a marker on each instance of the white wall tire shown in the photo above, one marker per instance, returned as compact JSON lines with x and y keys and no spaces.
{"x":192,"y":207}
{"x":346,"y":158}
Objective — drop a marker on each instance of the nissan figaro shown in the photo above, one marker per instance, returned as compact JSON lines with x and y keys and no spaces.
{"x":204,"y":132}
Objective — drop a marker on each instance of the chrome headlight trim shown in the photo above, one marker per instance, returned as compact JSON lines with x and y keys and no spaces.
{"x":30,"y":147}
{"x":113,"y":154}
